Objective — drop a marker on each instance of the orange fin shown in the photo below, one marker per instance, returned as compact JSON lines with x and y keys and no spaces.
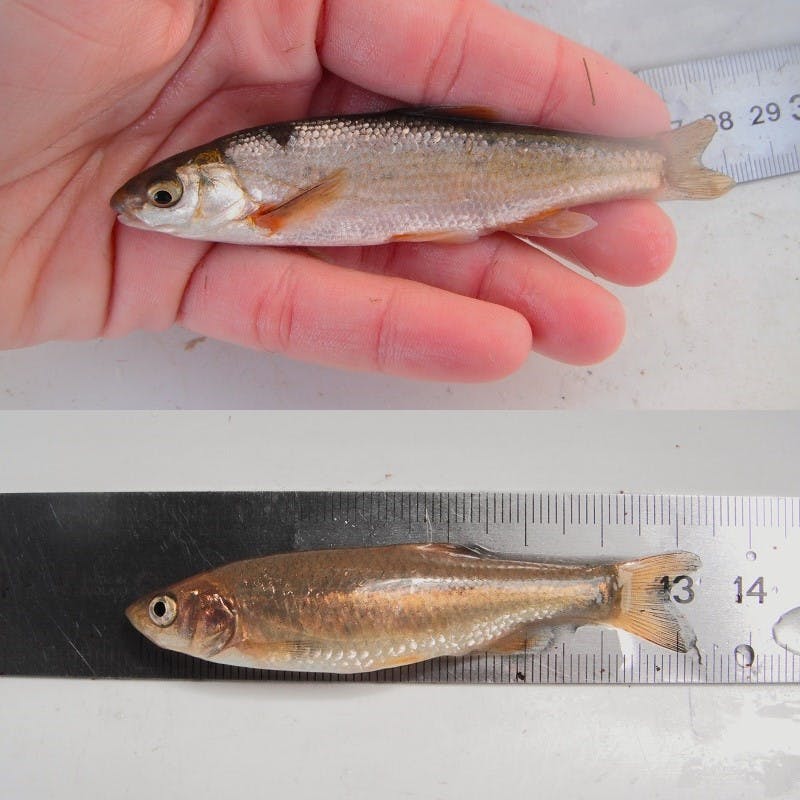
{"x":464,"y":112}
{"x":441,"y":237}
{"x":524,"y":641}
{"x":303,"y":205}
{"x":560,"y":224}
{"x":685,"y":177}
{"x":644,"y":609}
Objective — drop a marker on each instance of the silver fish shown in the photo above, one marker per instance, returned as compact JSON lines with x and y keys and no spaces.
{"x":407,"y":175}
{"x":356,"y":610}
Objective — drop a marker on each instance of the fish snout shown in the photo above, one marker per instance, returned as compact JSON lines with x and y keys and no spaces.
{"x":136,"y":613}
{"x":123,"y":201}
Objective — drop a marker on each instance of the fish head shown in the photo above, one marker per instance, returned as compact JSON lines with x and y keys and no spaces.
{"x":189,"y":195}
{"x":195,"y":618}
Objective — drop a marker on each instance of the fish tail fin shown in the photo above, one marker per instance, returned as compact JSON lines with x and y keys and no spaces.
{"x":685,"y":178}
{"x":645,"y":608}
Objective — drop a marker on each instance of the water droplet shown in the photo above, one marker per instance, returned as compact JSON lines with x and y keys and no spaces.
{"x":745,"y":655}
{"x":786,"y":630}
{"x":750,"y":555}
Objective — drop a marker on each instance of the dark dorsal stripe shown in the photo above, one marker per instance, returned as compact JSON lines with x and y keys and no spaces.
{"x":282,"y":132}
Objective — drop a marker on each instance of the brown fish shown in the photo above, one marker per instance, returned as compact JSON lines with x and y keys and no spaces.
{"x":407,"y":175}
{"x":356,"y":610}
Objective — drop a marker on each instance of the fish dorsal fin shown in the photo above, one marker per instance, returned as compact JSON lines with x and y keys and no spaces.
{"x":558,"y":224}
{"x":469,"y":551}
{"x":303,"y":205}
{"x":478,"y":113}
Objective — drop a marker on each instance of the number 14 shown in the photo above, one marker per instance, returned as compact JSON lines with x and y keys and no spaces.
{"x":756,"y":590}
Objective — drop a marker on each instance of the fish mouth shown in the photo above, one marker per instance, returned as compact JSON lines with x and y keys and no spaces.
{"x":126,"y":218}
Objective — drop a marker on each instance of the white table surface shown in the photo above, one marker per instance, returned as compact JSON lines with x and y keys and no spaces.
{"x":720,"y":330}
{"x":131,"y":739}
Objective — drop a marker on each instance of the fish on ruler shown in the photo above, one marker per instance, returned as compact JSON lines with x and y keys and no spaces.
{"x":361,"y":609}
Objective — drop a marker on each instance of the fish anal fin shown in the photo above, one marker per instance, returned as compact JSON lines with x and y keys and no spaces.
{"x":304,"y":205}
{"x":476,"y":112}
{"x":555,"y":224}
{"x":644,"y":608}
{"x":396,"y":661}
{"x":527,"y":640}
{"x":440,"y":237}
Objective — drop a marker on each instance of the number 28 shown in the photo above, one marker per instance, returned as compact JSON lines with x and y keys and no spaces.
{"x":725,"y":120}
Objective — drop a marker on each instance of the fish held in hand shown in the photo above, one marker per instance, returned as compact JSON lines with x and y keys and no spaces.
{"x":357,"y":610}
{"x":407,"y":175}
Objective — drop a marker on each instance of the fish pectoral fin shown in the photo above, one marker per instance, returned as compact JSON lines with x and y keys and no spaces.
{"x":440,"y":237}
{"x":558,"y":224}
{"x":528,"y":640}
{"x":292,"y":649}
{"x":305,"y":204}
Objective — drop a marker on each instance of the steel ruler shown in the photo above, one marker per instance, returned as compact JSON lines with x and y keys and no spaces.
{"x":754,"y":98}
{"x":70,"y":563}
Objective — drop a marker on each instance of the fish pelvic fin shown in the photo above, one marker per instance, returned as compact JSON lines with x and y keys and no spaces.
{"x":685,"y":178}
{"x":645,"y":608}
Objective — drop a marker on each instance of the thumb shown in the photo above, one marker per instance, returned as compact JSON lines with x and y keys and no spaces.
{"x":67,"y":64}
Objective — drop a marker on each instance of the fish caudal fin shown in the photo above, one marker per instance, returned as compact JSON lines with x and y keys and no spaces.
{"x":685,"y":177}
{"x":645,"y":607}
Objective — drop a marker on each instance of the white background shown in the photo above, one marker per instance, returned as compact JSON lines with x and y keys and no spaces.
{"x":133,"y":739}
{"x":720,"y":330}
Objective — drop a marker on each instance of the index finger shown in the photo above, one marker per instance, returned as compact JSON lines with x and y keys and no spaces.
{"x":473,"y":52}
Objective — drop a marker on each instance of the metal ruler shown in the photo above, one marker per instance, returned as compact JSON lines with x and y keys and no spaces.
{"x":70,"y":563}
{"x":754,"y":98}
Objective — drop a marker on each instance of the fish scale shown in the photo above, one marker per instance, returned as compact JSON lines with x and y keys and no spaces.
{"x":399,"y":601}
{"x":482,"y":197}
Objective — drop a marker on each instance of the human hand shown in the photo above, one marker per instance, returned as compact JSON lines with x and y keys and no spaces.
{"x":94,"y":91}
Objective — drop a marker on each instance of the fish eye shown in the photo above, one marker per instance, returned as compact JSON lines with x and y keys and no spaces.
{"x":165,"y":193}
{"x":163,"y":610}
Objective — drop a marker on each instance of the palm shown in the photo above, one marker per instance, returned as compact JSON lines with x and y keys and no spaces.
{"x":163,"y":81}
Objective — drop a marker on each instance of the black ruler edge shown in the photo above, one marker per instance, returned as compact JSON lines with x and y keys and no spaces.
{"x":71,"y":562}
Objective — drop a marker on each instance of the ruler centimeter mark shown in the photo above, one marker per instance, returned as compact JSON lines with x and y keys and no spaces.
{"x":749,"y":547}
{"x":754,"y":97}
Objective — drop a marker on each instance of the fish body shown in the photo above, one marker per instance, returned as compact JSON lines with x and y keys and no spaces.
{"x":357,"y":610}
{"x":406,"y":176}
